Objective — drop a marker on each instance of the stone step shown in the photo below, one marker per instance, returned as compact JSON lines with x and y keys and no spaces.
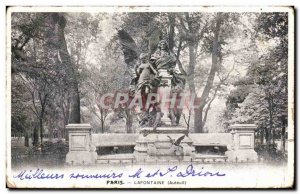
{"x":116,"y":159}
{"x":210,"y":158}
{"x":164,"y":130}
{"x":115,"y":162}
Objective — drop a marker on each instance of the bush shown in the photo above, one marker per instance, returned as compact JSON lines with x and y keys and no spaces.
{"x":269,"y":152}
{"x":55,"y":148}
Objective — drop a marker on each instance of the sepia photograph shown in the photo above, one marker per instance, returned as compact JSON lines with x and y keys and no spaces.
{"x":149,"y":97}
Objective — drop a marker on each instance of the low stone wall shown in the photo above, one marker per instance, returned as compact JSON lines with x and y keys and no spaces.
{"x":114,"y":139}
{"x":211,"y":139}
{"x":199,"y":139}
{"x":239,"y":143}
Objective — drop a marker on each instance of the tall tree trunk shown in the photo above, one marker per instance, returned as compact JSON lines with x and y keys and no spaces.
{"x":267,"y":136}
{"x":198,"y":121}
{"x":70,"y":66}
{"x":65,"y":111}
{"x":204,"y":119}
{"x":172,"y":17}
{"x":102,"y":120}
{"x":171,"y":30}
{"x":271,"y":134}
{"x":129,"y":121}
{"x":271,"y":121}
{"x":35,"y":136}
{"x":191,"y":82}
{"x":41,"y":129}
{"x":43,"y":102}
{"x":26,"y":143}
{"x":283,"y":138}
{"x":75,"y":104}
{"x":191,"y":68}
{"x":261,"y":136}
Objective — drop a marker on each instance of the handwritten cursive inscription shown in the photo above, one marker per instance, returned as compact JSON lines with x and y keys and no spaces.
{"x":189,"y":171}
{"x":38,"y":174}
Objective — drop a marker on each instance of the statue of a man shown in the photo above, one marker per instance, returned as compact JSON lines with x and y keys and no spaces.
{"x":162,"y":58}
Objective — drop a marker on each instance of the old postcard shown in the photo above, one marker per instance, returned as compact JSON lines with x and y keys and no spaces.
{"x":150,"y":97}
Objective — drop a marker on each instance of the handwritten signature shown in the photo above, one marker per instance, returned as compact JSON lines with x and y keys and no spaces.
{"x":190,"y":171}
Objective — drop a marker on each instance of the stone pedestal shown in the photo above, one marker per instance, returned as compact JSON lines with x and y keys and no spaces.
{"x":81,"y":150}
{"x":242,"y":147}
{"x":164,"y":95}
{"x":156,"y":147}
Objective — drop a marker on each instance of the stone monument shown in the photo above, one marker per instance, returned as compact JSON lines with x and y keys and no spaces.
{"x":160,"y":139}
{"x":81,"y":150}
{"x":242,"y":147}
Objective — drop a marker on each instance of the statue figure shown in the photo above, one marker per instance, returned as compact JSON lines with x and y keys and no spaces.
{"x":162,"y":58}
{"x":145,"y":73}
{"x":146,"y":76}
{"x":176,"y":146}
{"x":147,"y":82}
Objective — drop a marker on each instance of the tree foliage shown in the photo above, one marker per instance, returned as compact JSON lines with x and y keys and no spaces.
{"x":62,"y":63}
{"x":261,"y":97}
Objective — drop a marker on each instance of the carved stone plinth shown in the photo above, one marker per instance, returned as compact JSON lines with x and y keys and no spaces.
{"x":164,"y":95}
{"x":81,"y":150}
{"x":242,"y":147}
{"x":157,"y":147}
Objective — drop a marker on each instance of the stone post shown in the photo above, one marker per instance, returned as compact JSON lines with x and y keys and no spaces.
{"x":81,"y":150}
{"x":164,"y":95}
{"x":242,"y":143}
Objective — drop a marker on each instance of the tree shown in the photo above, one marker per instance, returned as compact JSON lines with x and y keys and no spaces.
{"x":20,"y":117}
{"x":36,"y":66}
{"x":209,"y":32}
{"x":58,"y":23}
{"x":264,"y":100}
{"x":193,"y":37}
{"x":100,"y":81}
{"x":78,"y":34}
{"x":40,"y":54}
{"x":275,"y":26}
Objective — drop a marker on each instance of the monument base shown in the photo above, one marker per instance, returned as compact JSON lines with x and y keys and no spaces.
{"x":242,"y":148}
{"x":81,"y":150}
{"x":159,"y":146}
{"x":246,"y":155}
{"x":81,"y":158}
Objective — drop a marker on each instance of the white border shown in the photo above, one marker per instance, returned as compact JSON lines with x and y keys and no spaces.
{"x":148,"y":9}
{"x":235,"y":9}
